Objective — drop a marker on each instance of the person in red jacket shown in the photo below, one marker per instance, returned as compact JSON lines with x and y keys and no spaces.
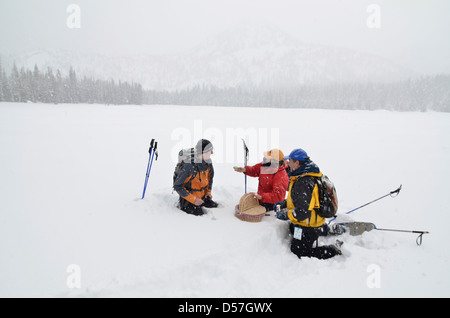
{"x":273,"y":178}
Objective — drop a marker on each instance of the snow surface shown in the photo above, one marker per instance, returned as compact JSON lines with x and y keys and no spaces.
{"x":72,"y":177}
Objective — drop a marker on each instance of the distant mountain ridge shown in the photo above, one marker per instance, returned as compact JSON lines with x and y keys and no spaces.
{"x":246,"y":56}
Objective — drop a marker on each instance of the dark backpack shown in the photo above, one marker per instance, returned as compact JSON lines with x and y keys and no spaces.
{"x":327,"y":197}
{"x":184,"y":156}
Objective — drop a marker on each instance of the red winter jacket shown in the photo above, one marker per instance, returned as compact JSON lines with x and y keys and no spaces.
{"x":273,"y":182}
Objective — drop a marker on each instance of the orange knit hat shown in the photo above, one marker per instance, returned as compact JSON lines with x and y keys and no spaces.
{"x":274,"y":154}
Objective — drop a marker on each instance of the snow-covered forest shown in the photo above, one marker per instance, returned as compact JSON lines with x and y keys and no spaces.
{"x":427,"y":93}
{"x":246,"y":66}
{"x":47,"y":86}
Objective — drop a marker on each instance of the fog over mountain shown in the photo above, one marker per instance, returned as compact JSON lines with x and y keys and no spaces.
{"x":247,"y":56}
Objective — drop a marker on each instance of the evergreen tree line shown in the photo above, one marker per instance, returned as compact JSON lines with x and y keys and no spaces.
{"x":427,"y":93}
{"x":49,"y":87}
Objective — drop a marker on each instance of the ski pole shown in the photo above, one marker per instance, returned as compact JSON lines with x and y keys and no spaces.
{"x":392,"y":194}
{"x":419,"y":238}
{"x":147,"y":173}
{"x":151,"y":151}
{"x":357,"y":228}
{"x":245,"y":162}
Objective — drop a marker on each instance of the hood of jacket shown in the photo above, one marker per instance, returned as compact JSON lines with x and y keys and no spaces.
{"x":308,"y":167}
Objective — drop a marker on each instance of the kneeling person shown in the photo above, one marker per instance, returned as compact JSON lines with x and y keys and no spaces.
{"x":194,"y":182}
{"x":302,"y":203}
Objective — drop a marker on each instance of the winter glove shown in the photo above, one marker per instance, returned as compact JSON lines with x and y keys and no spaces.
{"x":282,"y":215}
{"x":282,"y":204}
{"x":301,"y":215}
{"x":239,"y":169}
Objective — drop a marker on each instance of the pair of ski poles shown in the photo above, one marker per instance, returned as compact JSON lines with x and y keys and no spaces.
{"x":152,"y":151}
{"x":391,"y":194}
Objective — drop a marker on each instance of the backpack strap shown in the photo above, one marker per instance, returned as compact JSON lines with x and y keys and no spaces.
{"x":318,"y":181}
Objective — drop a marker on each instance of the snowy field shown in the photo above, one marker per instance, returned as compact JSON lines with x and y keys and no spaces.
{"x":71,"y":177}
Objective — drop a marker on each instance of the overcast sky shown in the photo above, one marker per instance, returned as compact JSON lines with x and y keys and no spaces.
{"x":415,"y":33}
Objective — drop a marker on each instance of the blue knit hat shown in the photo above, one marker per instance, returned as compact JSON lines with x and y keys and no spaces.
{"x":298,"y":154}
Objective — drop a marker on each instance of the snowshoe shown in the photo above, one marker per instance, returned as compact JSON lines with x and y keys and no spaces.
{"x":353,"y":228}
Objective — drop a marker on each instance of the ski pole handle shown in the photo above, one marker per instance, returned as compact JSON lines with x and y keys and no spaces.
{"x":397,"y":191}
{"x":155,"y":150}
{"x":151,"y":146}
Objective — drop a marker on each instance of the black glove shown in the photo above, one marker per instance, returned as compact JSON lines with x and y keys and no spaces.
{"x":282,"y":215}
